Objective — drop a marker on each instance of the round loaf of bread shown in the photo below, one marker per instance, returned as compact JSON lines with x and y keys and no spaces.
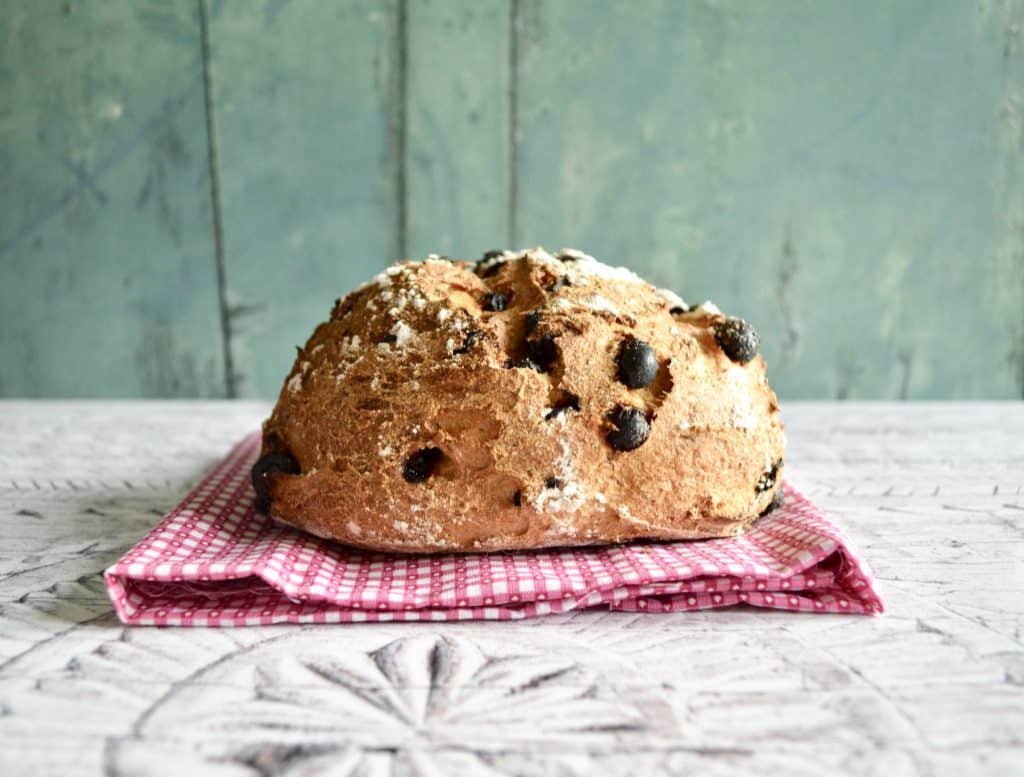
{"x":522,"y":401}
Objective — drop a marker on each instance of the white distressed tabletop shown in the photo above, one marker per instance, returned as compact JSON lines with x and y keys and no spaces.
{"x":932,"y":493}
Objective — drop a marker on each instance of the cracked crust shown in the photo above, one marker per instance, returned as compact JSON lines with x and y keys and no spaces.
{"x":518,"y":402}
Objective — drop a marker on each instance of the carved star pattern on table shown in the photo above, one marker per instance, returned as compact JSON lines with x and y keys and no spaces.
{"x":419,"y":703}
{"x":932,"y":492}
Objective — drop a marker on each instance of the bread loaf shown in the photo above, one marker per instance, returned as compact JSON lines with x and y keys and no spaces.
{"x":522,"y":401}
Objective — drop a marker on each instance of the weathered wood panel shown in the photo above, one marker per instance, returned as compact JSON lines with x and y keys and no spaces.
{"x":457,"y":123}
{"x":108,"y":280}
{"x":847,"y":177}
{"x":304,"y":98}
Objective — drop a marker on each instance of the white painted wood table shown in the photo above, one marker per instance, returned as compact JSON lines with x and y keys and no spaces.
{"x":932,"y":493}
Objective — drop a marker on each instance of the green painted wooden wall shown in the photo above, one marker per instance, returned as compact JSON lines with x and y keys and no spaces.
{"x":186,"y":185}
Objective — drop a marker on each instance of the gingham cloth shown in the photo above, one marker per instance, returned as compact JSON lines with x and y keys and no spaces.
{"x":214,"y":561}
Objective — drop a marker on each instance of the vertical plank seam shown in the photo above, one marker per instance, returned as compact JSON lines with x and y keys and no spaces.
{"x":1016,"y":13}
{"x":230,"y":387}
{"x":515,"y":14}
{"x":400,"y":128}
{"x":1012,"y":177}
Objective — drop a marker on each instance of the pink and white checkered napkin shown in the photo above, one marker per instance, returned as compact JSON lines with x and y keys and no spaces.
{"x":214,"y":561}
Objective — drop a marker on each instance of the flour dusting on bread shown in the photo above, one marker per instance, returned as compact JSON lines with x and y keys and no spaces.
{"x":524,"y":400}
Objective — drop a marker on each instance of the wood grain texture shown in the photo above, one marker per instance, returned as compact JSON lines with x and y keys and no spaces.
{"x":932,"y":493}
{"x":1007,"y":21}
{"x":457,"y":146}
{"x":824,"y":169}
{"x":303,"y":96}
{"x":108,"y":282}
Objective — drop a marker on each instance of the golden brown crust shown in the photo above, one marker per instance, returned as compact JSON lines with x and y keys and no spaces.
{"x":412,"y":361}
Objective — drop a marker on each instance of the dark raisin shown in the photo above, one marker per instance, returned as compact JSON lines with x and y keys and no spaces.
{"x":568,"y":256}
{"x":638,"y":364}
{"x":776,"y":503}
{"x":517,"y":498}
{"x":496,"y":302}
{"x":263,"y":471}
{"x":631,"y":428}
{"x":421,"y":465}
{"x":531,"y":320}
{"x":472,"y":337}
{"x":737,"y":339}
{"x":553,"y":482}
{"x":492,"y":269}
{"x":768,"y":477}
{"x":567,"y":402}
{"x":679,"y":310}
{"x":389,"y":338}
{"x":523,"y":364}
{"x":543,"y":352}
{"x":486,"y":266}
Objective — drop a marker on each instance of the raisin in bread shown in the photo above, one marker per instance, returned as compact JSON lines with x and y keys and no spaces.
{"x":522,"y":401}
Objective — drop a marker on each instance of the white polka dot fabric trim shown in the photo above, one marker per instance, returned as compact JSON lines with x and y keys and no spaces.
{"x":214,"y":561}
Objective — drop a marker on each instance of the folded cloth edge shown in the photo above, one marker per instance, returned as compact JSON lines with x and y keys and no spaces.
{"x":832,"y":578}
